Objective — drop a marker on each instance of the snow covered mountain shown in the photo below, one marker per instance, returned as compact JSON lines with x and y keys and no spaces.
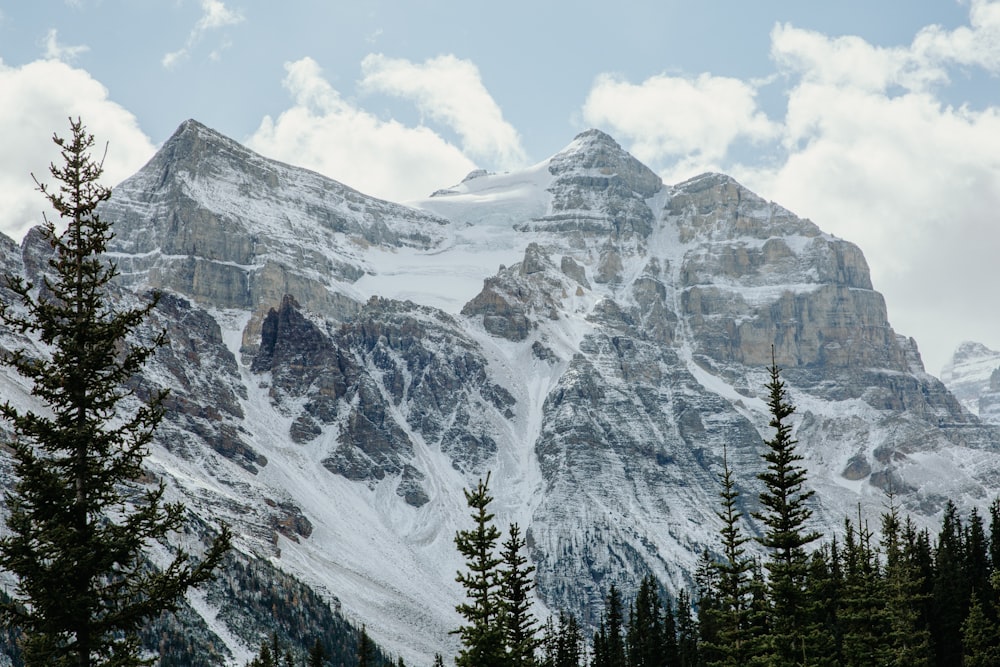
{"x":973,"y":376}
{"x":342,"y":367}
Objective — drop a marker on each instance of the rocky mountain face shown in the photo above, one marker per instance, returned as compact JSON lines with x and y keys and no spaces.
{"x":973,"y":376}
{"x":329,"y":404}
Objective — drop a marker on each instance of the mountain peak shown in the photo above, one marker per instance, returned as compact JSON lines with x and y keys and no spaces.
{"x":595,"y":151}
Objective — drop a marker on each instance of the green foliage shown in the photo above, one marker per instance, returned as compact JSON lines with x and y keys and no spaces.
{"x":729,"y":615}
{"x":483,"y":635}
{"x":78,"y":504}
{"x":520,"y":627}
{"x":784,"y":515}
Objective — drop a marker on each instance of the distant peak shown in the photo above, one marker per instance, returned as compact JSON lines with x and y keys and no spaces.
{"x":970,"y":349}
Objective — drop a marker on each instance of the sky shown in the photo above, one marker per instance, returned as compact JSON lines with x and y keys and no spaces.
{"x":877,"y":119}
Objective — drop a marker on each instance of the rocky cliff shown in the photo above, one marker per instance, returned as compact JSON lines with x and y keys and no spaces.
{"x":342,"y":367}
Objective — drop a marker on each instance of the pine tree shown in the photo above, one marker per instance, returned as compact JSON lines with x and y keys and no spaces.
{"x":600,"y":646}
{"x":569,"y":645}
{"x":79,"y":518}
{"x":907,"y":636}
{"x":646,"y":627}
{"x":317,"y":656}
{"x":688,"y":650}
{"x":784,"y":515}
{"x":671,"y":656}
{"x":862,"y":616}
{"x":730,"y":615}
{"x":483,"y":636}
{"x":520,"y":626}
{"x":951,"y":590}
{"x":980,"y":640}
{"x":615,"y":629}
{"x":366,"y":649}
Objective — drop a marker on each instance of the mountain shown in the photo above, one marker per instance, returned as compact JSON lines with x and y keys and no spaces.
{"x":342,"y":367}
{"x":973,"y":376}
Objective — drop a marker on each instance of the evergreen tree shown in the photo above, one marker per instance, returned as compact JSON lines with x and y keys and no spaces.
{"x":366,"y":649}
{"x":976,"y":565}
{"x":615,"y":626}
{"x":784,"y":515}
{"x":824,"y":598}
{"x":670,"y":649}
{"x":317,"y":656}
{"x":980,"y":641}
{"x":907,"y":636}
{"x":483,"y":635}
{"x":707,"y":605}
{"x":688,"y":651}
{"x":79,"y":520}
{"x":861,"y":615}
{"x":951,"y":590}
{"x":569,"y":645}
{"x":645,"y":632}
{"x":731,"y":611}
{"x":600,"y":646}
{"x":520,"y":626}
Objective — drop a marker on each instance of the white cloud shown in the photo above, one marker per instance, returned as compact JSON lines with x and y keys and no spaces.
{"x":450,"y":91}
{"x":215,"y":15}
{"x":56,"y":51}
{"x":691,"y":122}
{"x":39,"y":98}
{"x":325,"y":133}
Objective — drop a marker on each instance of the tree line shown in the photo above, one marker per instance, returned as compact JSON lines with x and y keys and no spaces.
{"x":896,"y":597}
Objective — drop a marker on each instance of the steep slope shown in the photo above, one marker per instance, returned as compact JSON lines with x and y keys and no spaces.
{"x":341,"y":368}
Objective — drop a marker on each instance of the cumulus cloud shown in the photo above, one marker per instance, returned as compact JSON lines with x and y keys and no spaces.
{"x":867,"y":147}
{"x":325,"y":133}
{"x":39,"y":97}
{"x":450,"y":91}
{"x":56,"y":51}
{"x":214,"y":15}
{"x":689,"y":121}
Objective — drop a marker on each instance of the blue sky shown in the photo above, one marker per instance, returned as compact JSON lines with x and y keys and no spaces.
{"x":879,"y":120}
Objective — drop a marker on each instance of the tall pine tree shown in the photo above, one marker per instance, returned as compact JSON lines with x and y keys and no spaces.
{"x":483,"y":635}
{"x":731,"y":611}
{"x":516,"y":584}
{"x":784,"y":514}
{"x":80,"y":520}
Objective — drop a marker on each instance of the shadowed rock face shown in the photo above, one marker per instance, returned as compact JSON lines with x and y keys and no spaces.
{"x":599,"y":375}
{"x":397,"y":369}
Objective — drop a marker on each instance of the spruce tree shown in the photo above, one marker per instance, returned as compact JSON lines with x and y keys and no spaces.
{"x":645,"y":631}
{"x":688,"y":649}
{"x":907,"y":636}
{"x":569,"y":644}
{"x":980,"y":638}
{"x":862,"y":614}
{"x":615,"y":629}
{"x":730,"y":615}
{"x":784,"y":515}
{"x":516,"y":584}
{"x":366,"y":649}
{"x":317,"y":656}
{"x":80,"y":519}
{"x":951,"y":590}
{"x":483,"y":635}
